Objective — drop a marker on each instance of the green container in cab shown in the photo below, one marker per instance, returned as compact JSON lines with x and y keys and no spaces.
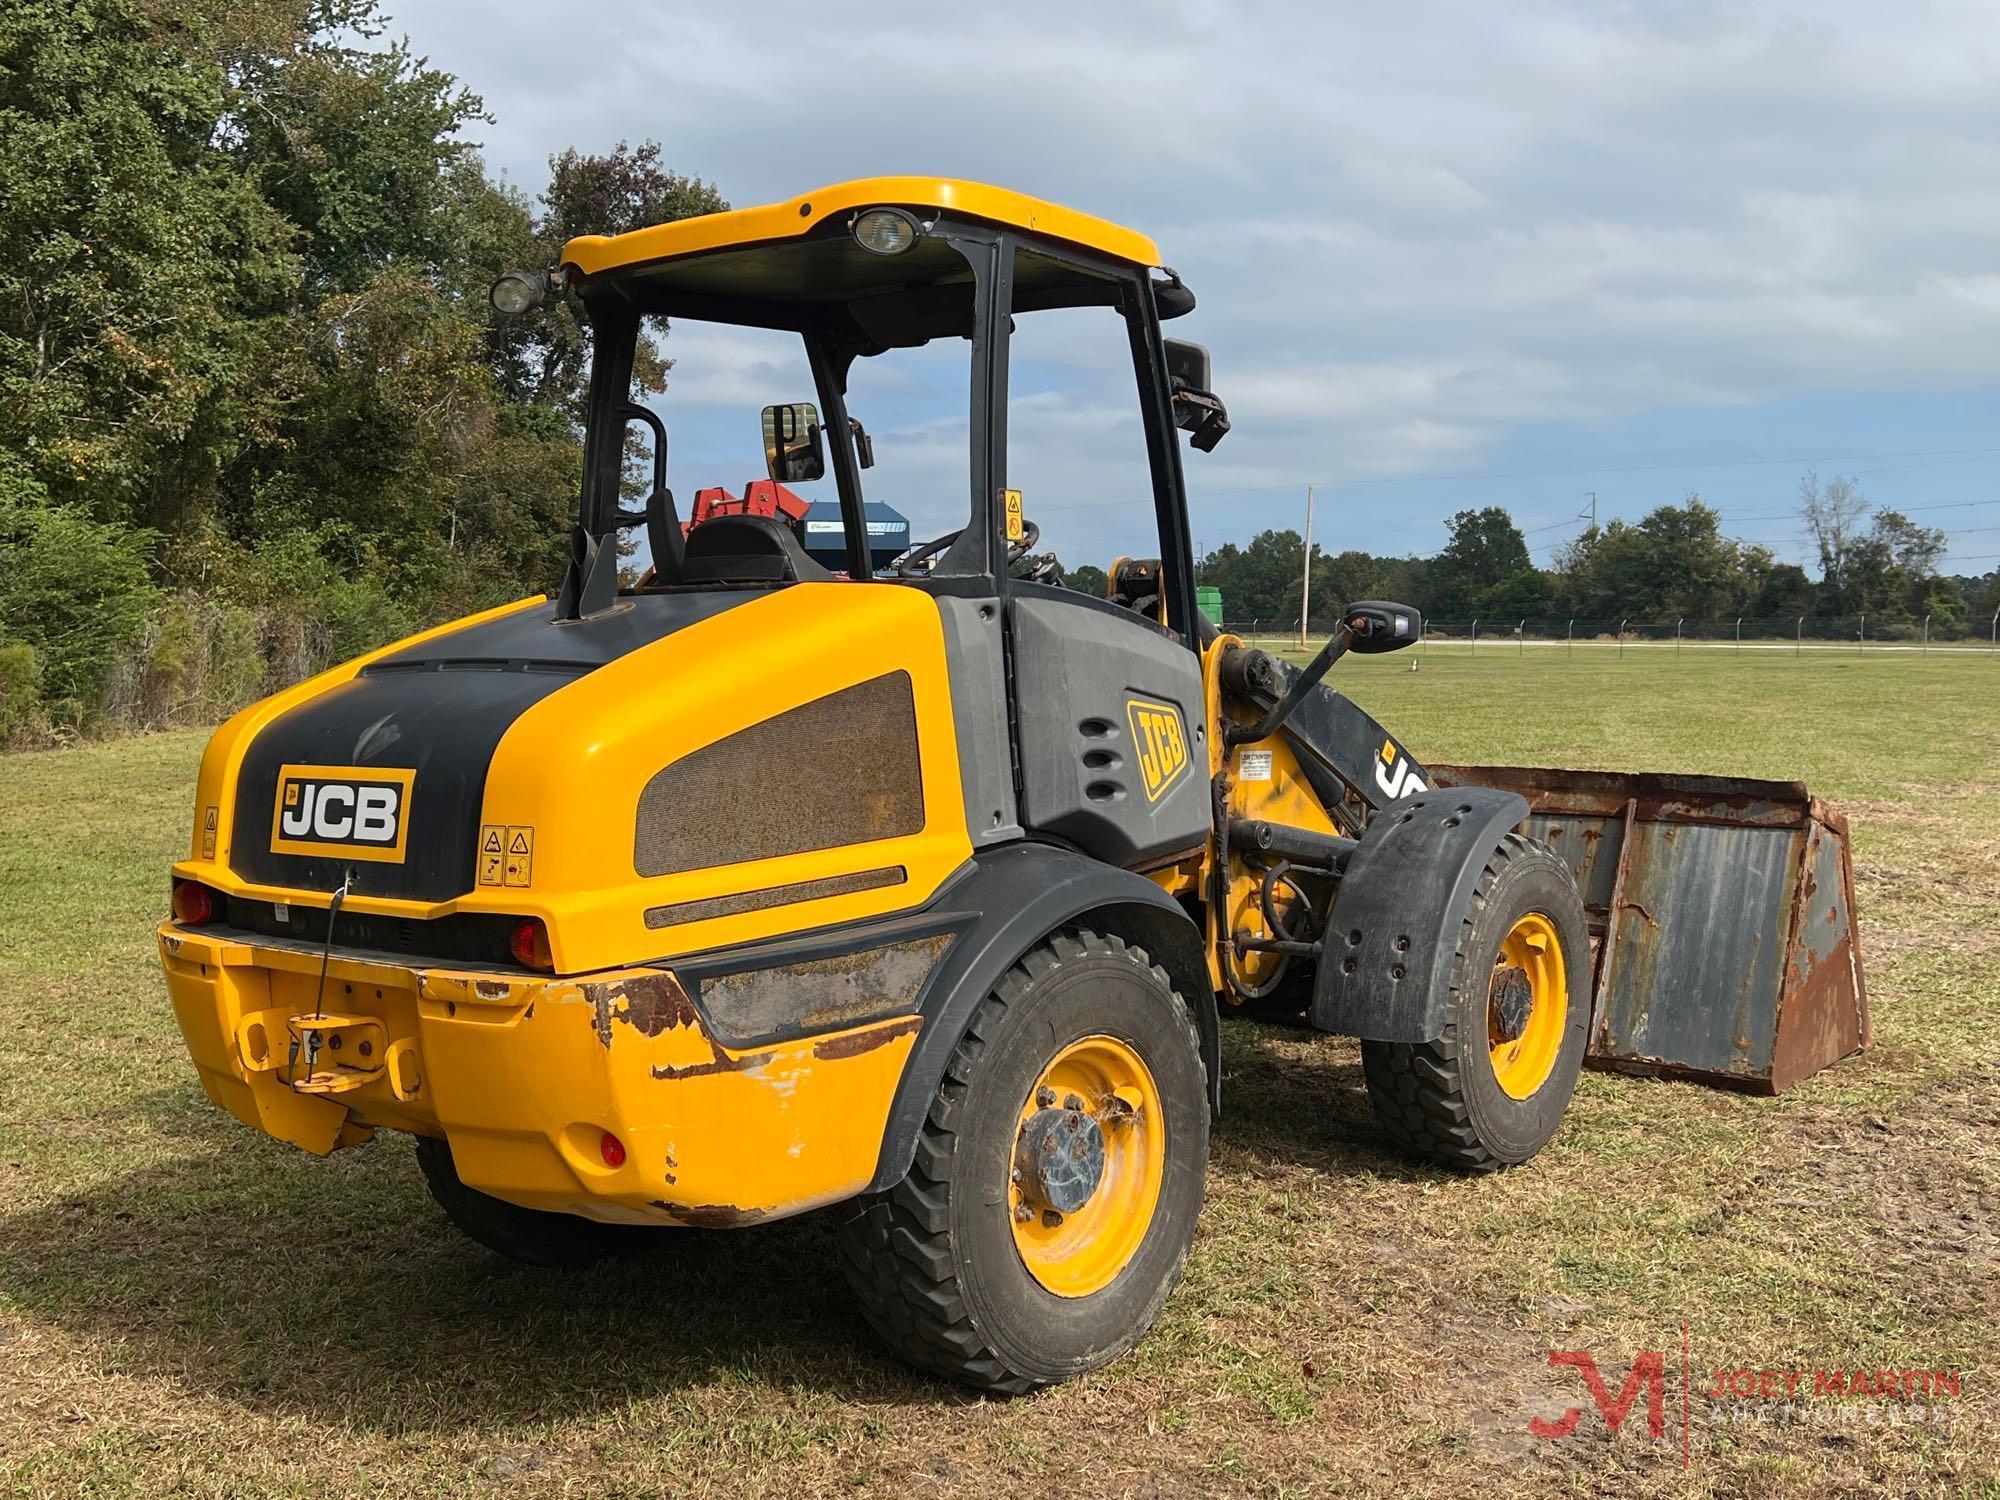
{"x":1208,"y":599}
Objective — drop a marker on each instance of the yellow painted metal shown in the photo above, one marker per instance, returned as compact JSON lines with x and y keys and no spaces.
{"x":1287,"y":797}
{"x":1523,"y":1064}
{"x":573,"y":766}
{"x":1076,"y":1255}
{"x":592,"y":253}
{"x":524,"y":1076}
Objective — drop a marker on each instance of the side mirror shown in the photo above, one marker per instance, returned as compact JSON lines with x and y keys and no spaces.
{"x":1187,"y":366}
{"x":1196,"y":409}
{"x":794,"y":447}
{"x":1379,"y":626}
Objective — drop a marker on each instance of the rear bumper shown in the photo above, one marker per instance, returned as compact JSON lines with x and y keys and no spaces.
{"x":525,"y":1075}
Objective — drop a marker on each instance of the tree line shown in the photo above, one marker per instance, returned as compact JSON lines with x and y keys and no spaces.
{"x":256,"y":415}
{"x":255,"y":412}
{"x":1673,"y":563}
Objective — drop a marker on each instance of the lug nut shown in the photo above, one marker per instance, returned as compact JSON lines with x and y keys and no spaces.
{"x":1045,"y":1096}
{"x":1051,"y":1219}
{"x":1023,"y":1213}
{"x":1072,"y":1101}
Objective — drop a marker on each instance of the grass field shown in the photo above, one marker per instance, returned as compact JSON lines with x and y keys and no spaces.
{"x":188,"y":1307}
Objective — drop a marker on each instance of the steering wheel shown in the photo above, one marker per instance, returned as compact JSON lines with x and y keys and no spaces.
{"x":906,"y":564}
{"x":1046,"y":570}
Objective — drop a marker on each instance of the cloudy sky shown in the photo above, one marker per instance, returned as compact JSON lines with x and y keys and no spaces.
{"x":1446,"y":254}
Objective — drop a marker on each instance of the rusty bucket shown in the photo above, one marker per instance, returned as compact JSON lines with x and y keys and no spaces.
{"x":1721,"y":911}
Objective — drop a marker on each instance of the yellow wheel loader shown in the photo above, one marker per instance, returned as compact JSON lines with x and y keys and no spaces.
{"x":790,"y":876}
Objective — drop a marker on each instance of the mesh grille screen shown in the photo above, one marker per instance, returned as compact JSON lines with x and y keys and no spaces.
{"x":839,"y":770}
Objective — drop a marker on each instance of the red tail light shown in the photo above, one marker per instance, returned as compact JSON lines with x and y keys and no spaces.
{"x":530,"y":944}
{"x":194,"y":903}
{"x":612,"y":1149}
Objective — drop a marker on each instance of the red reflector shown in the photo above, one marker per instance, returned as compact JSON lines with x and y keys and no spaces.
{"x":530,"y":944}
{"x":194,"y":903}
{"x":613,"y":1150}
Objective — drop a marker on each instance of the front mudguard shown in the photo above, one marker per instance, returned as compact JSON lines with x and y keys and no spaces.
{"x":1385,"y":973}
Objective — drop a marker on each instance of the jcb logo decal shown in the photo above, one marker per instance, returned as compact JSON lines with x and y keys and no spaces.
{"x":1159,"y":742}
{"x":1395,"y":774}
{"x":342,"y":810}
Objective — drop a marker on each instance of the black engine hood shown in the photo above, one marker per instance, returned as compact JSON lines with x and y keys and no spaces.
{"x":438,"y":709}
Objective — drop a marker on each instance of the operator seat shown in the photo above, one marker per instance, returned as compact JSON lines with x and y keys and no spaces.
{"x":747,"y":549}
{"x":1136,"y":584}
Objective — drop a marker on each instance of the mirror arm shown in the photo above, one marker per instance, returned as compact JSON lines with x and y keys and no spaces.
{"x":1235,"y":734}
{"x":1202,"y":414}
{"x":632,"y":412}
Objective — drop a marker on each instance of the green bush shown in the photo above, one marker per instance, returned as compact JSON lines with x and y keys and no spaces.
{"x":20,"y":693}
{"x":78,"y":592}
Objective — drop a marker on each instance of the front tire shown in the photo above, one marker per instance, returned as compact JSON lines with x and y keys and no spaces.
{"x":1057,"y":1181}
{"x":1492,"y":1090}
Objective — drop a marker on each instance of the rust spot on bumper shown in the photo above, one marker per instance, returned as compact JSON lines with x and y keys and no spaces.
{"x":718,"y":1062}
{"x":854,"y":1043}
{"x":710,"y":1215}
{"x":649,"y":1003}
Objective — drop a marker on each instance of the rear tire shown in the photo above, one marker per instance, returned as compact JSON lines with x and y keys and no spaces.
{"x":1446,"y":1100}
{"x":531,"y":1236}
{"x":947,"y":1267}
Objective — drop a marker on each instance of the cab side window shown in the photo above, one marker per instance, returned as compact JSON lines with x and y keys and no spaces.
{"x":1076,"y":433}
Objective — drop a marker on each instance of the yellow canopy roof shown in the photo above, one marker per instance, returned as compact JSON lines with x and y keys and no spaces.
{"x":592,"y":253}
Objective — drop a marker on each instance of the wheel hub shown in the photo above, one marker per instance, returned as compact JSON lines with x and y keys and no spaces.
{"x":1060,"y":1159}
{"x":1512,"y":1001}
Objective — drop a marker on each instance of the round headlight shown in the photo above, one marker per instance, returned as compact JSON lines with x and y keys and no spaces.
{"x":886,"y":231}
{"x":516,"y":292}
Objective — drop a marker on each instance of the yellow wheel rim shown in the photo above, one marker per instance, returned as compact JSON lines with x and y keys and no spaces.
{"x":1101,"y":1086}
{"x":1527,"y":1004}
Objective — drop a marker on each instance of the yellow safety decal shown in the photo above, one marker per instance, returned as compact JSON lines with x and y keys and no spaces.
{"x":1161,"y":744}
{"x":520,"y":855}
{"x":348,"y":812}
{"x":208,"y":822}
{"x":1388,"y":752}
{"x":1016,"y":523}
{"x":492,"y":854}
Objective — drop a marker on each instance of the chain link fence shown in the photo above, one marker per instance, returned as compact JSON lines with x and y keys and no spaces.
{"x":1797,"y":634}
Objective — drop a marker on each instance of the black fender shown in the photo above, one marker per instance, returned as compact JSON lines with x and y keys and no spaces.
{"x":1385,"y":973}
{"x":1009,"y":898}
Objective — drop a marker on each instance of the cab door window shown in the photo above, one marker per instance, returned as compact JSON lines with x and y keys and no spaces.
{"x":1076,"y":431}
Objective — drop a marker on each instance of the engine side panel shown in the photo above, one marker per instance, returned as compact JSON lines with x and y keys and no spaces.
{"x":1111,"y":728}
{"x":573,"y":771}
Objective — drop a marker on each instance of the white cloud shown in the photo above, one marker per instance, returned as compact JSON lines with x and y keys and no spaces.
{"x":1413,"y":229}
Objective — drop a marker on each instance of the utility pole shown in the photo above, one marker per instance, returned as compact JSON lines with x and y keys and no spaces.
{"x":1306,"y":588}
{"x":1593,"y":508}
